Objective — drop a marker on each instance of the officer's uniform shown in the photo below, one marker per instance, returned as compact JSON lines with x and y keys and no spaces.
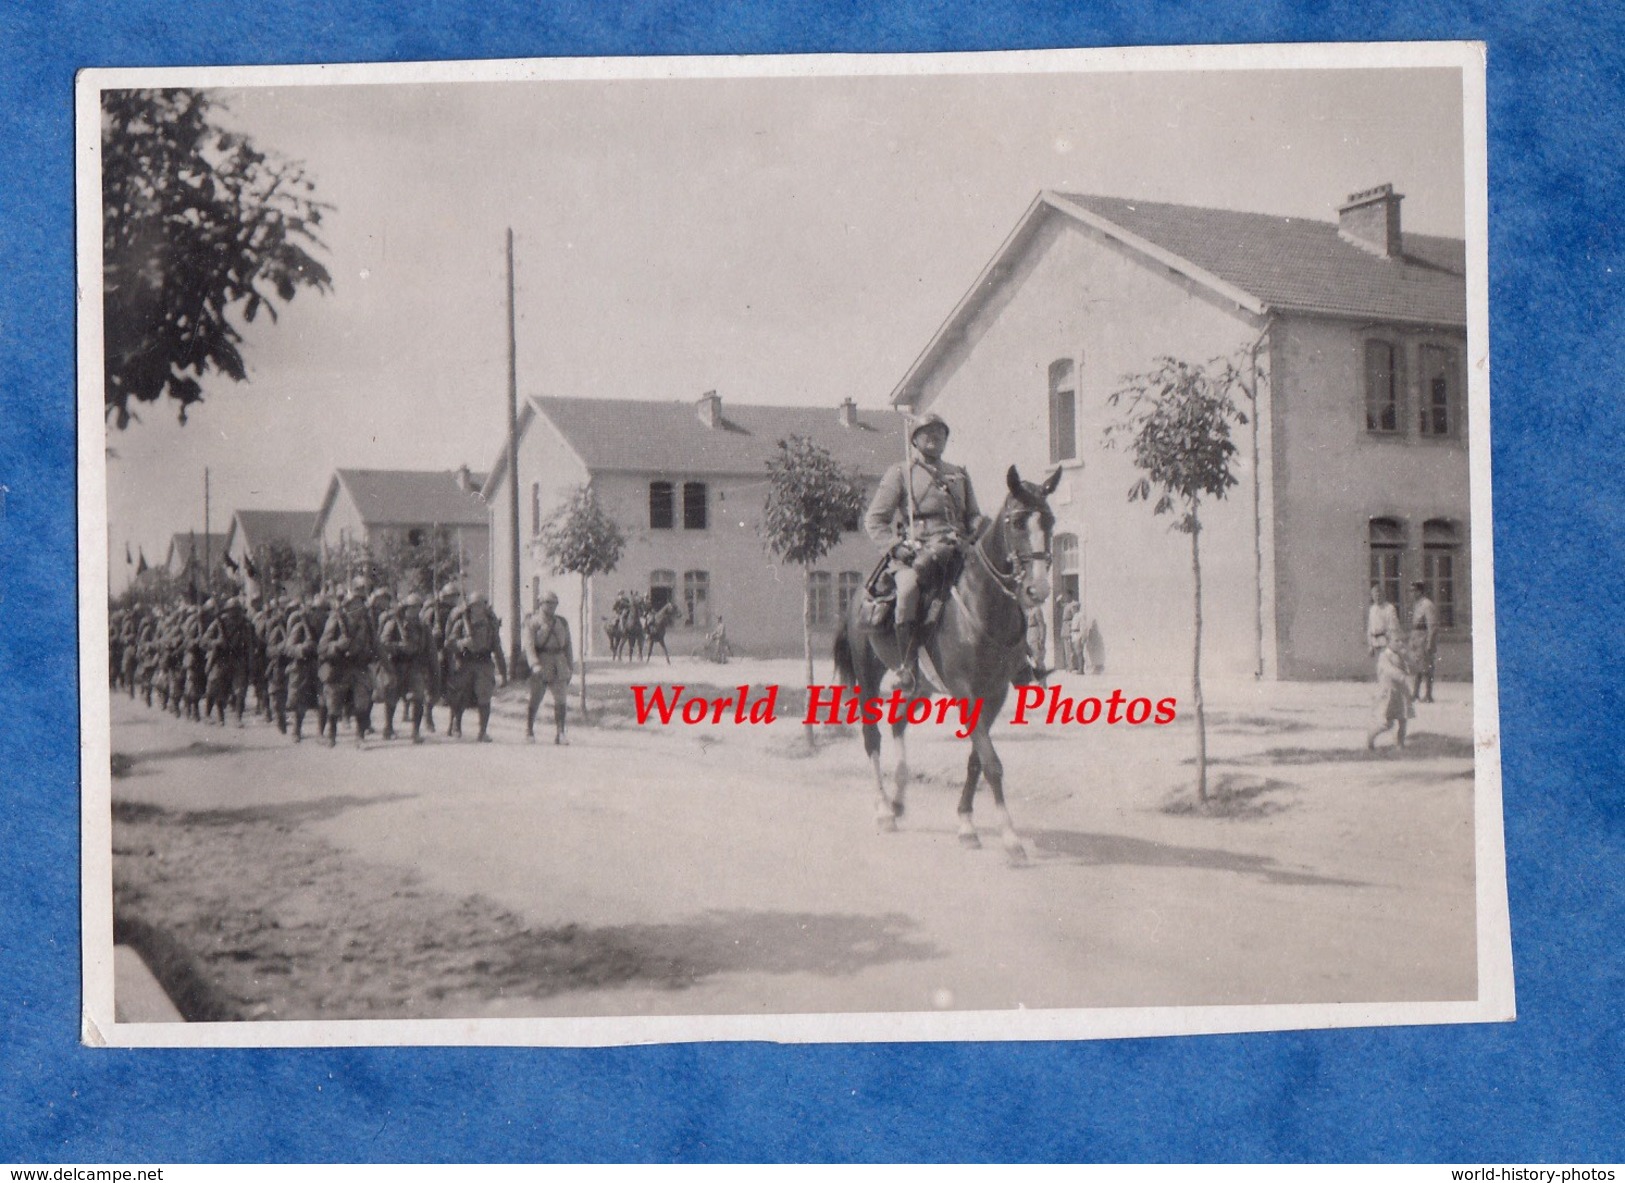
{"x":548,"y":649}
{"x":944,"y":513}
{"x":1424,"y":642}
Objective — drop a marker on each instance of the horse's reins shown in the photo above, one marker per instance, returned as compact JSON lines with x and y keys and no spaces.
{"x":1008,"y":582}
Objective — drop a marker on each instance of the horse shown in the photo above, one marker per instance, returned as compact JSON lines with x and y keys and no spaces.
{"x":977,"y":648}
{"x":626,"y":629}
{"x":654,"y":631}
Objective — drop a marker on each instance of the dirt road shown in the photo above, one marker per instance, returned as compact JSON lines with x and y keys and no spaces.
{"x":728,"y":870}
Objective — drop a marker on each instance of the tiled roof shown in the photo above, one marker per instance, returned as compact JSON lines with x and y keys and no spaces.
{"x":1297,"y":264}
{"x":633,"y":435}
{"x":260,"y":526}
{"x":196,"y":544}
{"x":398,"y":497}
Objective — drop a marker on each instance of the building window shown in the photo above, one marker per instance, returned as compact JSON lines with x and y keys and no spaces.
{"x":662,"y":589}
{"x":1386,"y":542}
{"x":661,"y":511}
{"x":536,"y":508}
{"x":1440,"y":574}
{"x":848,"y":587}
{"x":1063,"y":411}
{"x":1382,"y":386}
{"x":414,"y":536}
{"x":697,"y":599}
{"x":820,"y":604}
{"x":1440,"y":390}
{"x":694,"y":505}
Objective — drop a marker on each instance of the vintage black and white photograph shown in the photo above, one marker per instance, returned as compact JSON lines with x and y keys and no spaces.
{"x":855,"y":548}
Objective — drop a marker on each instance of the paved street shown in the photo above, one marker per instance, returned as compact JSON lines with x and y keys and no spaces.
{"x":727,"y":870}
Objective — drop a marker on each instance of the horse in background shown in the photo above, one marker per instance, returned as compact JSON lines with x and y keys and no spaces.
{"x":654,"y":630}
{"x":978,"y":648}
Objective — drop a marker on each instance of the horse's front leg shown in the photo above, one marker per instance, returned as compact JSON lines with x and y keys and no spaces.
{"x":902,"y":775}
{"x":993,"y":769}
{"x":885,"y":811}
{"x":967,"y":800}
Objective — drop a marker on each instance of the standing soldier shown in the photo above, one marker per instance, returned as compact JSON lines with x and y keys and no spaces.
{"x":259,"y":664}
{"x":547,"y":648}
{"x":276,"y":664}
{"x":300,"y":639}
{"x":198,"y":621}
{"x":403,"y":639}
{"x":476,"y":642}
{"x":115,"y":647}
{"x":436,"y":617}
{"x":129,"y":636}
{"x":385,"y":689}
{"x":146,"y":646}
{"x":943,"y":505}
{"x":172,"y":649}
{"x":347,"y":650}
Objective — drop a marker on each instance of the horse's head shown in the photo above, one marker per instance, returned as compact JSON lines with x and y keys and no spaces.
{"x":1027,"y":524}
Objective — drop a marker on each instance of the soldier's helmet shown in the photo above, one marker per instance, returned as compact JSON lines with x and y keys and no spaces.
{"x":413,"y":600}
{"x":449,"y":592}
{"x":209,"y":604}
{"x":550,"y":597}
{"x":930,"y":421}
{"x":476,"y":597}
{"x":381,"y":596}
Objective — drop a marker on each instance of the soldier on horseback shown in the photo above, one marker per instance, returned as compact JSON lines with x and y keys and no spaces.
{"x":922,"y":513}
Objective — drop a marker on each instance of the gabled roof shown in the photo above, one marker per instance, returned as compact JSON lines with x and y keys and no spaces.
{"x":1262,"y":263}
{"x":401,"y":497}
{"x":261,"y":526}
{"x":189,"y":547}
{"x":648,"y":436}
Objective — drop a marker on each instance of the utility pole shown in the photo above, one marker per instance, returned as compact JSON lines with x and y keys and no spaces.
{"x":515,"y":652}
{"x":208,"y":572}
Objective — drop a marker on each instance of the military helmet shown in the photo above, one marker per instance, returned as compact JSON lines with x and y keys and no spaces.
{"x":550,"y":597}
{"x":449,"y":592}
{"x":476,"y":597}
{"x":929,"y":421}
{"x":413,"y":600}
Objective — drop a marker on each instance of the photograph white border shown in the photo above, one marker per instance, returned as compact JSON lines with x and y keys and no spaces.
{"x":100,"y":1028}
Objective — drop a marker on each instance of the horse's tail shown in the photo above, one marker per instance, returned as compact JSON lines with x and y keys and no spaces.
{"x":846,"y":666}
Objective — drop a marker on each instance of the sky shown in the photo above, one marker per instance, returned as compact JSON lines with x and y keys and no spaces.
{"x":777,"y":240}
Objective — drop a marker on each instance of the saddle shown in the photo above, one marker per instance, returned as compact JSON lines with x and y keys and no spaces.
{"x":878,"y":611}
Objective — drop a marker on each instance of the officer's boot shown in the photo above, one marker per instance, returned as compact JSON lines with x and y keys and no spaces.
{"x":299,"y":726}
{"x":530,"y":720}
{"x":428,"y":717}
{"x":363,"y":724}
{"x":558,"y":723}
{"x":332,"y":730}
{"x":908,"y":640}
{"x":417,"y":722}
{"x":485,"y":721}
{"x":389,"y":719}
{"x":454,"y":729}
{"x":321,"y":718}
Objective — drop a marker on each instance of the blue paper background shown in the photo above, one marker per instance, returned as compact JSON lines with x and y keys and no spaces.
{"x":1548,"y":1087}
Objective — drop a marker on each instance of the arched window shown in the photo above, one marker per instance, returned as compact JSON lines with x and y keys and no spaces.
{"x":694,"y":505}
{"x":1441,"y":390}
{"x":1386,"y":547}
{"x":662,"y":512}
{"x":848,"y":584}
{"x":1382,"y":386}
{"x":662,"y":588}
{"x":1063,"y":410}
{"x":820,"y":608}
{"x":1441,"y":547}
{"x":697,"y":599}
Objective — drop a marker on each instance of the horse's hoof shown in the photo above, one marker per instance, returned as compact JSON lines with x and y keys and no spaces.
{"x":969,"y":840}
{"x":897,"y":808}
{"x":1015,"y":851}
{"x":886,"y":825}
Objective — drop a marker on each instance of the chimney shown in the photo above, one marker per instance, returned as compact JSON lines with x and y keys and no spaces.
{"x":465,"y":479}
{"x":849,"y":414}
{"x":710,"y":408}
{"x":1370,"y":220}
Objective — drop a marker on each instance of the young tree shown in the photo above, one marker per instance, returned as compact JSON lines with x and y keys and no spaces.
{"x":581,"y":538}
{"x":196,"y":223}
{"x":1175,"y":426}
{"x":810,"y":501}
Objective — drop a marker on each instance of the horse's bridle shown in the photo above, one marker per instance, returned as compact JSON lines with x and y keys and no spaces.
{"x":1019,"y":558}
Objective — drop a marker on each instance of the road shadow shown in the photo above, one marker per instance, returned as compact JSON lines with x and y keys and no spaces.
{"x":680,"y":955}
{"x":127,"y":764}
{"x":1421,"y":745}
{"x":284,"y":813}
{"x":1119,"y":850}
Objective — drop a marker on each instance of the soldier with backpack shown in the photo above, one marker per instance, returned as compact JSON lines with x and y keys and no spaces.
{"x":475,"y":642}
